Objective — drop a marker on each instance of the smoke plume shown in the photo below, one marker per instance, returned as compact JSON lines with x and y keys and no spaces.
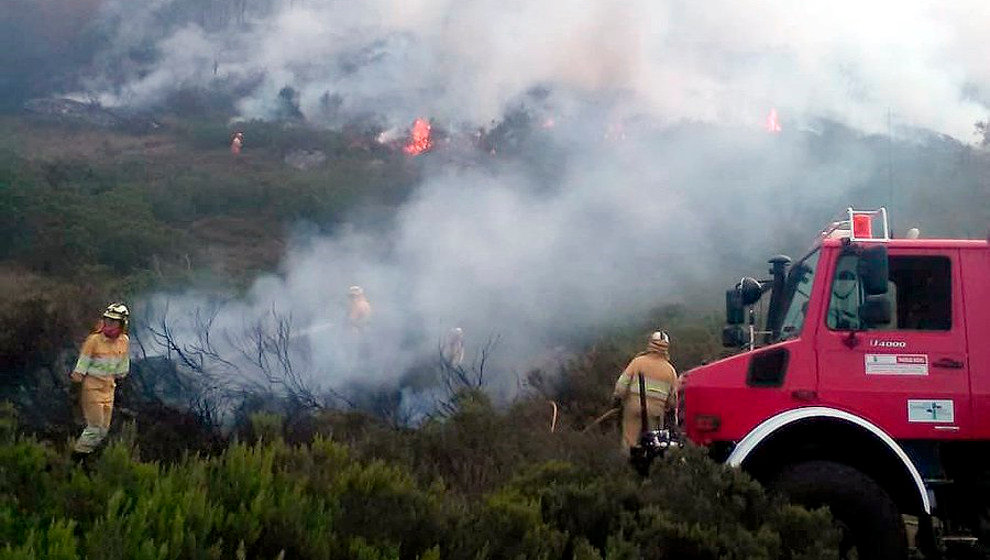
{"x":853,"y":62}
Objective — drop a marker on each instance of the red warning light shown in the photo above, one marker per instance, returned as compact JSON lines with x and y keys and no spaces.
{"x":862,"y":226}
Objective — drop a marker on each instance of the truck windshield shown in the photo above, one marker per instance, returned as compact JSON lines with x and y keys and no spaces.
{"x":798,"y":293}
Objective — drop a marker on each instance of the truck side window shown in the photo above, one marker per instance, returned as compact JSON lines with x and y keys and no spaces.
{"x":920,"y":287}
{"x":843,"y":308}
{"x":924,"y":292}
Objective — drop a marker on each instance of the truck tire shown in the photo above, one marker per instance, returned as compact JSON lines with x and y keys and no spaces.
{"x":865,"y":513}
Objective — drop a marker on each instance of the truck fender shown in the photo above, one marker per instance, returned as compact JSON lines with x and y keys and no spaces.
{"x":755,"y":437}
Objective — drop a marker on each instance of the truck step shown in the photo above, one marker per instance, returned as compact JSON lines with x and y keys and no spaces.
{"x":938,"y":481}
{"x":960,"y":540}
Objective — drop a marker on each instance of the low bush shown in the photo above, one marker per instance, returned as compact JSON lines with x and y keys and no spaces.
{"x":325,"y":499}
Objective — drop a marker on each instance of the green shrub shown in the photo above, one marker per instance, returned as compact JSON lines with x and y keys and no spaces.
{"x":55,"y":542}
{"x":509,"y":525}
{"x":266,"y":426}
{"x":58,"y":216}
{"x":321,"y":500}
{"x":8,"y":422}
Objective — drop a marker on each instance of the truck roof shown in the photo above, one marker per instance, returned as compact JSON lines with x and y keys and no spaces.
{"x":921,"y":243}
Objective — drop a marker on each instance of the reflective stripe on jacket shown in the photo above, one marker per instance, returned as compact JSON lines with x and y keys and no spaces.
{"x":628,"y":384}
{"x":359,"y":311}
{"x":659,"y":376}
{"x":104,"y":357}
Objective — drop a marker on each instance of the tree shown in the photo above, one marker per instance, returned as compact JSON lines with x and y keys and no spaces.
{"x":983,"y":130}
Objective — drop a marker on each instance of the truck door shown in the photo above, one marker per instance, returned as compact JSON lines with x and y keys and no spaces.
{"x":976,"y":272}
{"x":910,"y":375}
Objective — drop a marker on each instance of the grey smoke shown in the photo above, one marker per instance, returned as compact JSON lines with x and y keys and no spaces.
{"x":503,"y":252}
{"x":725,"y":62}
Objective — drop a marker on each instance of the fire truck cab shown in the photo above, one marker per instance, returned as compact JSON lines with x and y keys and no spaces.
{"x":865,"y":386}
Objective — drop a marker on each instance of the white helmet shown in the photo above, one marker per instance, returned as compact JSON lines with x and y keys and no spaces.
{"x":355,"y":290}
{"x":660,"y":336}
{"x":117,"y":311}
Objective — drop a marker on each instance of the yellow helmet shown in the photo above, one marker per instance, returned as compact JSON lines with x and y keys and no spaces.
{"x":117,"y":311}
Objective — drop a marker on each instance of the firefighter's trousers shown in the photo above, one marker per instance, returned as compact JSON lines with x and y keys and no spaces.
{"x":632,"y":425}
{"x":97,"y":406}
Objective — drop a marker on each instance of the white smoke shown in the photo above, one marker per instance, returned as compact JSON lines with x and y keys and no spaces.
{"x":859,"y":63}
{"x":506,"y":253}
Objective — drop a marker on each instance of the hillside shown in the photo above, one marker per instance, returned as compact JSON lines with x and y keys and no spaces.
{"x":93,"y":214}
{"x":97,"y":213}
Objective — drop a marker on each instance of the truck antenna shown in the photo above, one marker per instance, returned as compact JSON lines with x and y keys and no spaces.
{"x":890,"y":159}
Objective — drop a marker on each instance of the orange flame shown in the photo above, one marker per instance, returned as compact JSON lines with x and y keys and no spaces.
{"x":773,"y":123}
{"x":419,"y":139}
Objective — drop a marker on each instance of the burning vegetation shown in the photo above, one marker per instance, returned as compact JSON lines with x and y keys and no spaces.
{"x":420,"y":140}
{"x":773,"y":122}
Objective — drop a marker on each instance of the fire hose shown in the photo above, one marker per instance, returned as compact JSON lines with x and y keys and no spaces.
{"x":600,"y":419}
{"x":553,"y":419}
{"x":652,"y":444}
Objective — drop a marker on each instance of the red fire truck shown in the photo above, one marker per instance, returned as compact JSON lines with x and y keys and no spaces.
{"x":863,"y":384}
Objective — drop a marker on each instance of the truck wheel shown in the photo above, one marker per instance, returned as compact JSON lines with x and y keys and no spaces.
{"x":868,"y":519}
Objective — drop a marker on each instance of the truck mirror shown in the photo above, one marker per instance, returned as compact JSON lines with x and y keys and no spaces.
{"x":872,"y":269}
{"x":751,"y":290}
{"x":733,"y":336}
{"x":875,"y":310}
{"x":735,"y":312}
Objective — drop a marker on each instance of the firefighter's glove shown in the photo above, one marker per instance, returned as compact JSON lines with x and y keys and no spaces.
{"x":76,"y":377}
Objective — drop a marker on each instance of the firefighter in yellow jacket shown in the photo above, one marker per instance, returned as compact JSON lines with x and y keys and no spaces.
{"x":236,"y":143}
{"x":452,"y":351}
{"x":661,"y":388}
{"x":104,"y":358}
{"x":358,"y":310}
{"x":358,"y":317}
